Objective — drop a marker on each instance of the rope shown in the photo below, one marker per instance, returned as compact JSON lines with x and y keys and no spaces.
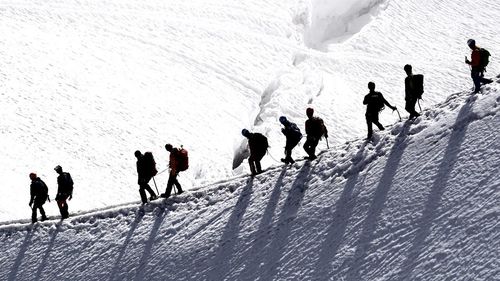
{"x":268,"y":153}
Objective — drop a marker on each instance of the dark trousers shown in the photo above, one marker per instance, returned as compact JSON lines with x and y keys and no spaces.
{"x":143,"y":185}
{"x":172,"y":180}
{"x":410,"y":107}
{"x":254,"y":162}
{"x":37,"y":205}
{"x":372,"y":118}
{"x":290,"y":144}
{"x":310,"y":145}
{"x":478,"y":78}
{"x":63,"y":207}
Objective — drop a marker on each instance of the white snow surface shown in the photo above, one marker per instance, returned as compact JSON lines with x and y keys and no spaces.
{"x":86,"y":83}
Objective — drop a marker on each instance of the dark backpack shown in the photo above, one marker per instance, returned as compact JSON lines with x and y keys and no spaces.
{"x":295,"y":131}
{"x":484,"y":58}
{"x":376,"y":101}
{"x":149,"y":164}
{"x":418,"y":85}
{"x":44,"y":191}
{"x":261,"y":141}
{"x":317,"y":127}
{"x":182,"y":159}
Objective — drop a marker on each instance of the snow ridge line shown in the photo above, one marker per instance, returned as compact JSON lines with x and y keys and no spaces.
{"x":351,"y":155}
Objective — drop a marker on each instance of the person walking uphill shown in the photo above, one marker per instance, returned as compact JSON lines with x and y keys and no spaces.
{"x":178,"y":162}
{"x":479,"y":61}
{"x":64,"y":191}
{"x":413,"y":91}
{"x":39,"y":194}
{"x":293,"y":136}
{"x":257,"y":143}
{"x":375,"y":102}
{"x":315,"y":129}
{"x":146,"y":169}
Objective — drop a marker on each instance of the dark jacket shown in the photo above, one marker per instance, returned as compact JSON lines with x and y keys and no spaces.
{"x":414,"y":87}
{"x":38,"y":191}
{"x":141,"y":168}
{"x":64,"y":184}
{"x":409,"y":89}
{"x":315,"y":128}
{"x":375,"y":101}
{"x":291,"y":131}
{"x":258,"y":145}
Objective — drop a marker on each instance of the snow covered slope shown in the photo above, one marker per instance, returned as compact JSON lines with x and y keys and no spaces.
{"x":86,"y":83}
{"x":419,"y":203}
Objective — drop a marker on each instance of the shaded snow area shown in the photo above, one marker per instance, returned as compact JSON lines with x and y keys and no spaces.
{"x":86,"y":83}
{"x":420,"y":202}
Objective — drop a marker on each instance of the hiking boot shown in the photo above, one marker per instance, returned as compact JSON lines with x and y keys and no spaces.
{"x":153,"y":197}
{"x":286,"y":161}
{"x":164,"y":195}
{"x":44,"y":219}
{"x":180,"y":192}
{"x":34,"y":220}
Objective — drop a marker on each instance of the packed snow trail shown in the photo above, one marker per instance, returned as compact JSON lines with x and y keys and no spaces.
{"x":86,"y":83}
{"x":420,"y":202}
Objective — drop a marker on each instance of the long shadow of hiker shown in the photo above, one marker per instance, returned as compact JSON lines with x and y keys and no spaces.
{"x":338,"y":226}
{"x":285,"y":222}
{"x":143,"y":261}
{"x":22,"y":252}
{"x":222,"y":259}
{"x":261,"y":235}
{"x":429,"y":213}
{"x":46,"y":256}
{"x":378,"y":204}
{"x":116,"y":268}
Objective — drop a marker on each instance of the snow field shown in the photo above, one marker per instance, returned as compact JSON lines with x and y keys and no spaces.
{"x":419,"y":203}
{"x":87,"y":83}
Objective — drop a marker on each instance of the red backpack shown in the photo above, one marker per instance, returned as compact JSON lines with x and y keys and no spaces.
{"x":182,"y":159}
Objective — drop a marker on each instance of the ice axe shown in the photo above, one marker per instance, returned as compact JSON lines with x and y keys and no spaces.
{"x":157,"y":192}
{"x":398,"y":114}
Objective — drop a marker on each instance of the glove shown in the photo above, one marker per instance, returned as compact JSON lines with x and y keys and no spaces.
{"x":31,"y":203}
{"x":283,"y":130}
{"x":70,"y":197}
{"x":394,"y":108}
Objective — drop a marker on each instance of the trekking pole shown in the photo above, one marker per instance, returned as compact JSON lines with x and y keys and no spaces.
{"x":418,"y":101}
{"x":157,"y":192}
{"x":398,"y":115}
